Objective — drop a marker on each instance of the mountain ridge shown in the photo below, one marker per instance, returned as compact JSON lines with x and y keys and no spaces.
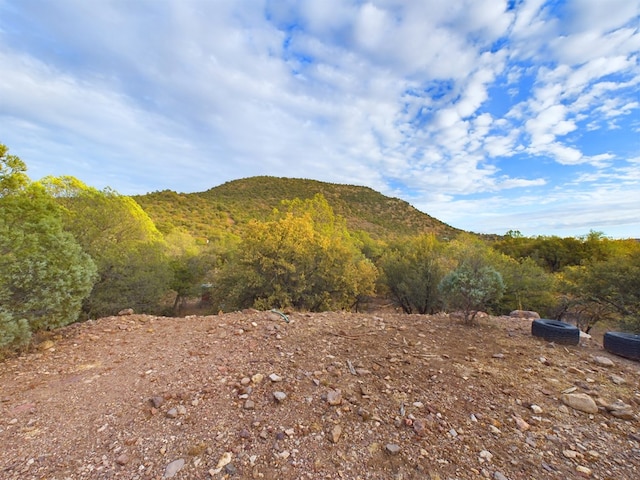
{"x":230,"y":205}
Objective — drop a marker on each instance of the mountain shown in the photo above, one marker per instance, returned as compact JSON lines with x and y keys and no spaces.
{"x":227,"y":207}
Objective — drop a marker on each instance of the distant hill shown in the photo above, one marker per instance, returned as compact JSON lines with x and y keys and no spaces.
{"x":226,"y":208}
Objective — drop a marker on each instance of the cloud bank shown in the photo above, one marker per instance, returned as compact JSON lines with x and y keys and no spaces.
{"x":488,"y":115}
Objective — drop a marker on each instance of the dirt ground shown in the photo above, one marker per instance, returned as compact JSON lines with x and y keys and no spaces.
{"x":325,"y":396}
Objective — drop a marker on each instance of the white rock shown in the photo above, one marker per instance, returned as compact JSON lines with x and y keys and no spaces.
{"x":580,"y":401}
{"x":173,"y":468}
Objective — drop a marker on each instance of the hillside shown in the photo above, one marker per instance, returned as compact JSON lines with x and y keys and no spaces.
{"x":325,"y":396}
{"x":226,"y":208}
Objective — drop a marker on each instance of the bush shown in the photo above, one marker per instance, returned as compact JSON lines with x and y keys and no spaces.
{"x":471,"y":287}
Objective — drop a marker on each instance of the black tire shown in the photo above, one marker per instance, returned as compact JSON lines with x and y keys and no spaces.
{"x":555,"y":331}
{"x":622,"y":344}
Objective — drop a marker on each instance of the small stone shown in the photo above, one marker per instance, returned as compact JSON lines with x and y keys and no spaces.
{"x":182,"y":410}
{"x":157,"y":401}
{"x":485,"y":456}
{"x":570,"y":454}
{"x":173,"y":468}
{"x":419,"y":426}
{"x":280,"y":396}
{"x":172,"y":413}
{"x":126,"y":311}
{"x":222,"y":463}
{"x":336,"y":433}
{"x":453,"y":433}
{"x":245,"y":381}
{"x":580,"y":401}
{"x":618,"y":380}
{"x":122,"y":459}
{"x":497,"y":355}
{"x":392,"y":449}
{"x":521,"y":424}
{"x":583,"y":470}
{"x":334,"y":397}
{"x":249,"y":405}
{"x":536,"y":409}
{"x":230,"y":469}
{"x":619,"y":409}
{"x":275,"y":378}
{"x":604,"y":361}
{"x":499,"y":476}
{"x":257,"y":378}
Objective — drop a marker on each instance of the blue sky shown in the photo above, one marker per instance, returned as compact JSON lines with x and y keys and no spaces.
{"x":489,"y":115}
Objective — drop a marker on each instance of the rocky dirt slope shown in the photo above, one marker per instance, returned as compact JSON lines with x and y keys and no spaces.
{"x":326,"y":396}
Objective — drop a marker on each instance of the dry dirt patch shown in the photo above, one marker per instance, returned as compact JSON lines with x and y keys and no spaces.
{"x":331,"y":395}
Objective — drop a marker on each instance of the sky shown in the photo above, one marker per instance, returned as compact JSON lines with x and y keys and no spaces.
{"x":488,"y":115}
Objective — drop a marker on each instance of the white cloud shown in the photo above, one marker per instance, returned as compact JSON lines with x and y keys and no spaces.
{"x":362,"y":92}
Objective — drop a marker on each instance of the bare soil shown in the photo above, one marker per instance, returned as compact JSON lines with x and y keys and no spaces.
{"x":361,"y":396}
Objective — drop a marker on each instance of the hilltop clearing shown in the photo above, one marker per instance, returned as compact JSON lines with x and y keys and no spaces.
{"x":327,"y":395}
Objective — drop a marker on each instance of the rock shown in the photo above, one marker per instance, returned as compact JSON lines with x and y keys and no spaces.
{"x":536,"y":409}
{"x":172,"y":413}
{"x":618,"y":380}
{"x":392,"y":449}
{"x":570,"y":454}
{"x":222,"y":463}
{"x":249,"y":405}
{"x":230,"y":469}
{"x":280,"y":396}
{"x":173,"y":468}
{"x":336,"y":433}
{"x":485,"y":456}
{"x":126,"y":311}
{"x":499,"y":476}
{"x":583,"y":470}
{"x":122,"y":459}
{"x":619,"y":409}
{"x":580,"y":401}
{"x":521,"y":424}
{"x":334,"y":397}
{"x":156,"y":402}
{"x":46,"y":345}
{"x":275,"y":377}
{"x":419,"y":426}
{"x":497,"y":355}
{"x":257,"y":378}
{"x":604,"y":361}
{"x":528,"y":314}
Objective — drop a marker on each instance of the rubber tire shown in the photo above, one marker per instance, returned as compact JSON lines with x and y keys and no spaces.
{"x":555,"y":331}
{"x":622,"y":344}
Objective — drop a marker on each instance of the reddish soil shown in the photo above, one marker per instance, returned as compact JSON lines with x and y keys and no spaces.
{"x":363,"y":396}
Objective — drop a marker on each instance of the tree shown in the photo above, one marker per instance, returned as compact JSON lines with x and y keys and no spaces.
{"x":412,"y":270}
{"x":189,"y":262}
{"x":608,"y":289}
{"x":130,"y":253}
{"x":528,"y":286}
{"x":44,"y":274}
{"x":472,"y":287}
{"x":302,"y":258}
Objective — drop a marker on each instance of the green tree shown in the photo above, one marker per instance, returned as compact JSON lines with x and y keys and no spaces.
{"x":130,"y":253}
{"x":411,"y":272}
{"x":190,"y":263}
{"x":44,"y":274}
{"x":528,"y":286}
{"x":605,"y":290}
{"x":472,"y":287}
